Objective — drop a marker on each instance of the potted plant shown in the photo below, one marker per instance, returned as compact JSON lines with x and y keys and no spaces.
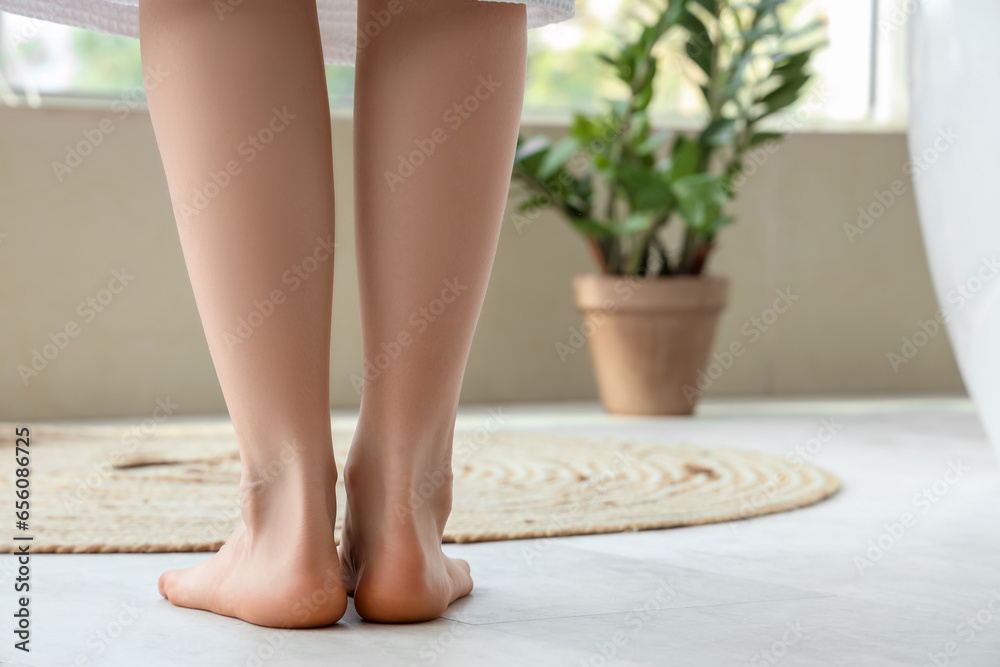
{"x":651,"y":312}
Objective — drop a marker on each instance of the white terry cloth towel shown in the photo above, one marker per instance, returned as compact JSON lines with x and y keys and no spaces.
{"x":338,"y":19}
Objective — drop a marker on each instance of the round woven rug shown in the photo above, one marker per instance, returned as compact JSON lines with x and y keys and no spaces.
{"x":103,"y":488}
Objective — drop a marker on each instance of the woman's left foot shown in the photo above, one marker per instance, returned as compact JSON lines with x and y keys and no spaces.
{"x":279,"y":568}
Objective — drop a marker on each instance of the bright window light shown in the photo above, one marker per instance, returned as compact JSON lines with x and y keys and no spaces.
{"x":859,"y":74}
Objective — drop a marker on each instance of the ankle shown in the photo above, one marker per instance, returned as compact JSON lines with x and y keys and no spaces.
{"x":399,"y":493}
{"x":296,"y":459}
{"x":430,"y":493}
{"x":289,"y":494}
{"x":421,"y":438}
{"x":399,"y":468}
{"x":406,"y":446}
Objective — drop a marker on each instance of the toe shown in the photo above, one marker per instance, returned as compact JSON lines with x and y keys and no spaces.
{"x":164,"y":584}
{"x":461,"y":578}
{"x":175,"y":585}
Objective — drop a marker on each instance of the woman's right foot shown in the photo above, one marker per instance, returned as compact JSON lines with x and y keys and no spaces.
{"x":390,"y":546}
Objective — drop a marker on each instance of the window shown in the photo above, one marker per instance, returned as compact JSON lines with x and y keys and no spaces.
{"x":859,"y":74}
{"x":40,"y":58}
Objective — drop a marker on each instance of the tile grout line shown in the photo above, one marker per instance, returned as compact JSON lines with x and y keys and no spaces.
{"x":633,"y":611}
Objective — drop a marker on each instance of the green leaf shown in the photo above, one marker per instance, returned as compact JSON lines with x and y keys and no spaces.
{"x":618,"y":107}
{"x":584,"y":129}
{"x":608,"y":59}
{"x":762,"y":5}
{"x":814,"y":25}
{"x":557,"y":156}
{"x":762,"y":8}
{"x":645,"y":189}
{"x":700,"y":56}
{"x":592,"y":228}
{"x":708,"y":188}
{"x":534,"y":203}
{"x":643,"y":96}
{"x":699,"y":45}
{"x":531,"y":147}
{"x":720,"y":222}
{"x":734,"y":77}
{"x":788,"y":64}
{"x":650,"y":36}
{"x":720,"y":132}
{"x":654,"y":141}
{"x":761,"y":137}
{"x":636,"y":223}
{"x":711,"y":6}
{"x":699,"y":198}
{"x":784,"y":95}
{"x":758,"y":32}
{"x":675,"y":10}
{"x":684,"y":158}
{"x":655,"y":197}
{"x":639,"y":129}
{"x":706,"y":93}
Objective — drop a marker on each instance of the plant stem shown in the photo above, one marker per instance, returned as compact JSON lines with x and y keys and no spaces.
{"x":639,"y":256}
{"x":686,"y":263}
{"x":597,"y":252}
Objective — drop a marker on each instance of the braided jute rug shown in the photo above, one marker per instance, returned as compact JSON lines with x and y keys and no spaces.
{"x":108,"y":488}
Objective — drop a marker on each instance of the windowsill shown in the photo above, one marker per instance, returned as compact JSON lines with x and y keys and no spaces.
{"x":533,"y":119}
{"x":691,"y":123}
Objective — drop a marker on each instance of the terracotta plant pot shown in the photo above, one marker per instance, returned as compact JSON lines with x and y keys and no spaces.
{"x":649,"y":337}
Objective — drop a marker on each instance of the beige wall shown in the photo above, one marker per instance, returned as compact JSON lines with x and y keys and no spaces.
{"x":64,"y":239}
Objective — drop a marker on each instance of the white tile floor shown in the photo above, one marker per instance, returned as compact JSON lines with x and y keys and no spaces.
{"x":787,"y":589}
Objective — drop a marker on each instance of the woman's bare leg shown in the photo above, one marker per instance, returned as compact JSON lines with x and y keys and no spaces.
{"x":438,"y":99}
{"x":243,"y":125}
